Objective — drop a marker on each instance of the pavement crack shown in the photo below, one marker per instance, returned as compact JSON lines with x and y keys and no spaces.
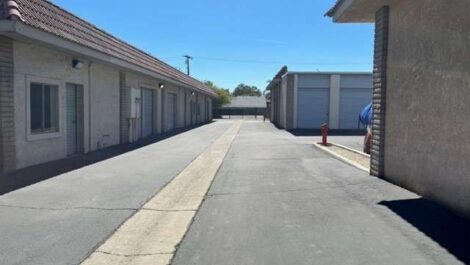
{"x":134,"y":255}
{"x":288,"y":191}
{"x":163,"y":210}
{"x":68,"y":208}
{"x":260,"y":192}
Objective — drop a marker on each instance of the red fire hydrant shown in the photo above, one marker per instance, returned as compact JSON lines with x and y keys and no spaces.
{"x":324,"y":133}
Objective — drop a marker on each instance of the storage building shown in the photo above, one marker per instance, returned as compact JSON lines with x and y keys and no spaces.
{"x":306,"y":100}
{"x":421,"y":107}
{"x":68,"y":88}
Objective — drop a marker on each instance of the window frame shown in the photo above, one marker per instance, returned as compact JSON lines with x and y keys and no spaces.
{"x":35,"y":136}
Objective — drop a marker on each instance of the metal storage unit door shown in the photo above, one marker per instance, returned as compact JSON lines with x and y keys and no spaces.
{"x":147,"y":112}
{"x":207,"y":111}
{"x":170,"y":110}
{"x":72,"y":137}
{"x":313,"y":106}
{"x":352,"y":102}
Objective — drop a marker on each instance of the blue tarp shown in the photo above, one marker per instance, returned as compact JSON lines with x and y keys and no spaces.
{"x":365,"y":117}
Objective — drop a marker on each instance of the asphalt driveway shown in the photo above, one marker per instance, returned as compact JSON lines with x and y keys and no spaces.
{"x":61,"y":220}
{"x":275,"y":200}
{"x":278,"y":200}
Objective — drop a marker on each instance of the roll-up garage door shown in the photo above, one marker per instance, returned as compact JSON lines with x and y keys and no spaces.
{"x":170,"y":115}
{"x":147,"y":112}
{"x":313,"y":107}
{"x":353,"y":101}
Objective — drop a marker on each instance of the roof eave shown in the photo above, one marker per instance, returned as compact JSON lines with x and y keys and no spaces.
{"x":355,"y":11}
{"x":18,"y":30}
{"x":278,"y":77}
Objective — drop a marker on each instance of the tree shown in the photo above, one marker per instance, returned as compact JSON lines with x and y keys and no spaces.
{"x":223,"y":95}
{"x":245,"y":90}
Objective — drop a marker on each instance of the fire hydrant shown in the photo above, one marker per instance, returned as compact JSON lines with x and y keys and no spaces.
{"x":324,"y":133}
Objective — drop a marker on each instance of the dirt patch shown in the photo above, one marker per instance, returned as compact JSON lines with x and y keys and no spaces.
{"x":362,"y":160}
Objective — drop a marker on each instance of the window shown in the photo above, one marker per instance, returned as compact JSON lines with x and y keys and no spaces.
{"x":44,"y":108}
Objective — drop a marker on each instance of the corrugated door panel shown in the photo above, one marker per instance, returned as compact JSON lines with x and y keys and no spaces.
{"x":353,"y":101}
{"x":170,"y":116}
{"x":313,"y":107}
{"x":147,"y":112}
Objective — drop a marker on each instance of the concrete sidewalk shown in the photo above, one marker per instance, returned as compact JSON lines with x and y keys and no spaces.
{"x":277,"y":200}
{"x":61,"y":220}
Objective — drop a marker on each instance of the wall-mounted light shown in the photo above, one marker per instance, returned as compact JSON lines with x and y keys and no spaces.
{"x":77,"y":64}
{"x":193,"y":93}
{"x":161,"y":85}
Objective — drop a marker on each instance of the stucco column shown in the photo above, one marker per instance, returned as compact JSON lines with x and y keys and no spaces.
{"x":7,"y":107}
{"x":160,"y":110}
{"x":335,"y":98}
{"x":377,"y":165}
{"x":295,"y":99}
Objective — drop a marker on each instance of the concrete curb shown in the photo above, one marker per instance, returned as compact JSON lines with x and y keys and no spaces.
{"x":350,"y":149}
{"x":341,"y":158}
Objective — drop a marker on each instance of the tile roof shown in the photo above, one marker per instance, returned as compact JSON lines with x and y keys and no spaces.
{"x":48,"y":17}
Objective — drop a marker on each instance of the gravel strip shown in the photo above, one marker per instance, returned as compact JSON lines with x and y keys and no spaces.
{"x":360,"y":159}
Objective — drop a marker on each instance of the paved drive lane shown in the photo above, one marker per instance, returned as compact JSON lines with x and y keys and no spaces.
{"x":61,"y":220}
{"x":276,"y":200}
{"x":280,"y":201}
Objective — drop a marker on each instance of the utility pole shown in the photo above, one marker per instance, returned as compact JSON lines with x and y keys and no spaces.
{"x":188,"y":58}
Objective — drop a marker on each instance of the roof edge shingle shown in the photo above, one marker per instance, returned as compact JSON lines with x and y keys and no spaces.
{"x":332,"y":11}
{"x":53,"y":19}
{"x":284,"y":70}
{"x":11,"y":10}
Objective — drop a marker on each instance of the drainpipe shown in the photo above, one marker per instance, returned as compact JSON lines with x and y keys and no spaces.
{"x":90,"y":64}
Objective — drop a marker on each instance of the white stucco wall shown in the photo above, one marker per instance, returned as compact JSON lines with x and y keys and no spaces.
{"x":36,"y":63}
{"x":33,"y":62}
{"x":105,"y":117}
{"x":428,"y":94}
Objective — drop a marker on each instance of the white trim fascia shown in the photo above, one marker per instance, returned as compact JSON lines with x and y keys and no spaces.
{"x":343,"y":6}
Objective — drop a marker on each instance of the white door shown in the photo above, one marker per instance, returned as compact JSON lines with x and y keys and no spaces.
{"x":147,"y":112}
{"x":313,"y":107}
{"x":74,"y":118}
{"x":72,"y":132}
{"x":170,"y":110}
{"x":353,"y":101}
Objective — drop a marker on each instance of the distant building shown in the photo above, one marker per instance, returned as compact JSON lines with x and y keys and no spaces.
{"x":244,"y":106}
{"x":421,"y":123}
{"x":306,"y":100}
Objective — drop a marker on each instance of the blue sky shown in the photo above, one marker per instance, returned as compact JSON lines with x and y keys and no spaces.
{"x":242,"y":41}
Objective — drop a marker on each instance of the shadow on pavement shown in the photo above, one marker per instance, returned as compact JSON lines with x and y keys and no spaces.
{"x":24,"y":177}
{"x":317,"y":132}
{"x":447,"y":229}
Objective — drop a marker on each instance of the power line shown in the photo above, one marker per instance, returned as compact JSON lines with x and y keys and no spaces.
{"x":232,"y":60}
{"x":280,"y":62}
